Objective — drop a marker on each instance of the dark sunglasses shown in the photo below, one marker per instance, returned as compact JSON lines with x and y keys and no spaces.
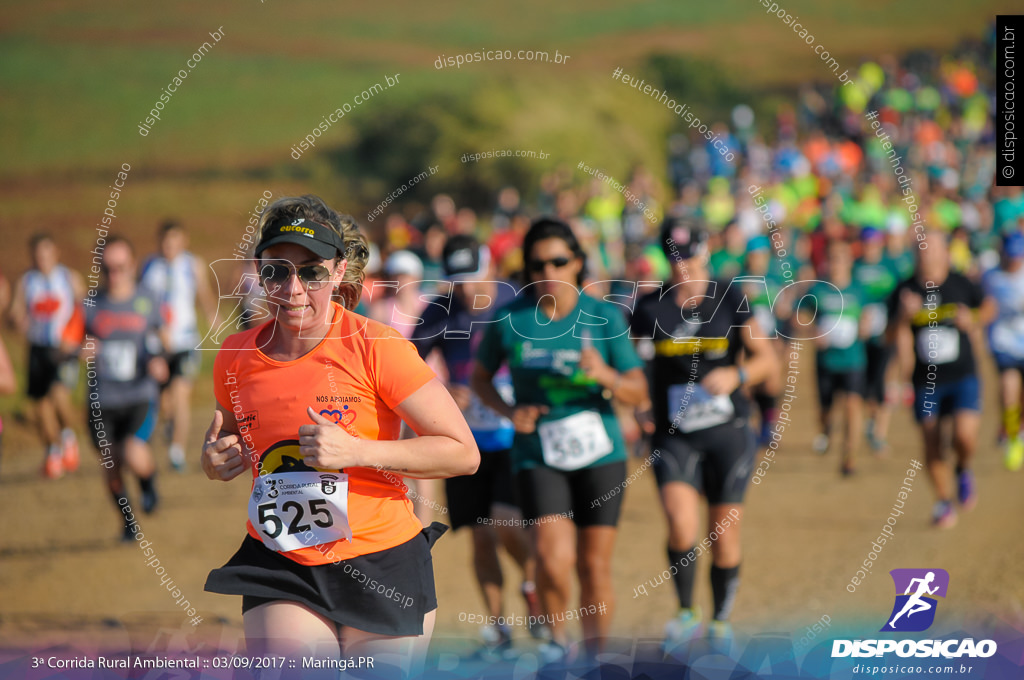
{"x":311,"y":276}
{"x":537,"y":266}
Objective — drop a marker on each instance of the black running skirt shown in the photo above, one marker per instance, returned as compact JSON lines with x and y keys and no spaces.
{"x":387,"y":592}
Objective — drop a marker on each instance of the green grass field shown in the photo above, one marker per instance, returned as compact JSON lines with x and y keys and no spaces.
{"x":77,"y":81}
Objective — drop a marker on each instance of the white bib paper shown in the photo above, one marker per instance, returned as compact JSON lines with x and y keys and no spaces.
{"x":1008,"y":336}
{"x":938,"y":345}
{"x":843,"y":333}
{"x":574,"y":442}
{"x":293,"y":510}
{"x":480,"y":418}
{"x":877,"y":316}
{"x":765,"y":319}
{"x":693,"y":409}
{"x":119,"y":359}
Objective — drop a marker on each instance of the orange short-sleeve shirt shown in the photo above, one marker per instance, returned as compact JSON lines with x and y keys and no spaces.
{"x":356,"y":376}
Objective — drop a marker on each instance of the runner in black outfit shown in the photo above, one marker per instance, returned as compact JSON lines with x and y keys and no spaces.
{"x":942,"y":310}
{"x":702,"y":350}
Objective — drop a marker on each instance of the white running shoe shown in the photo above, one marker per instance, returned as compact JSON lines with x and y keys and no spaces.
{"x":176,"y":452}
{"x":820,"y":444}
{"x":685,"y":627}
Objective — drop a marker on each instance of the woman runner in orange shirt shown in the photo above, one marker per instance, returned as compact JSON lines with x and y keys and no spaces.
{"x":311,"y":402}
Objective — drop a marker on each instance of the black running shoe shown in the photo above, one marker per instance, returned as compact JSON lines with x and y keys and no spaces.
{"x":150,"y":499}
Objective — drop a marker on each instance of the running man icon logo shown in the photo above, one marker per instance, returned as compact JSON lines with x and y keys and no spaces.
{"x":914,"y":610}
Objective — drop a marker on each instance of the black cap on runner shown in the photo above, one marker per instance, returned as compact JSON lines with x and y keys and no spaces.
{"x":464,"y":258}
{"x":683,"y":238}
{"x":321,"y":240}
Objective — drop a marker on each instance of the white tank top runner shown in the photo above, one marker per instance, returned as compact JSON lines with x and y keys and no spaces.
{"x":50,"y":300}
{"x":174,"y":285}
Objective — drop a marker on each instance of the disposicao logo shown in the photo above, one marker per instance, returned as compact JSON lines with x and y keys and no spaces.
{"x":914,"y":611}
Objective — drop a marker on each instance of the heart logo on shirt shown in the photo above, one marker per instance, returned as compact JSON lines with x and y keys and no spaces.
{"x":335,"y":415}
{"x":345,"y":417}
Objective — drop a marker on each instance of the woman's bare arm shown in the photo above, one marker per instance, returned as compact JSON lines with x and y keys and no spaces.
{"x":444,"y":448}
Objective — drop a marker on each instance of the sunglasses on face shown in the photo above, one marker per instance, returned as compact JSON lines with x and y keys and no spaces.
{"x":311,"y":276}
{"x":537,"y":266}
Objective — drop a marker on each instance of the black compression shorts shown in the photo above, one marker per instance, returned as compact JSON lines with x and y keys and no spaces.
{"x":471,"y":497}
{"x":717,"y":461}
{"x":832,"y":382}
{"x":878,"y":361}
{"x":577,"y":493}
{"x":46,"y":366}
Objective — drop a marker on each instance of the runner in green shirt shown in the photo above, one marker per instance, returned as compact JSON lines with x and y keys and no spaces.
{"x":898,"y":253}
{"x":569,"y":355}
{"x":833,"y":312}
{"x":878,"y":275}
{"x":727,"y":262}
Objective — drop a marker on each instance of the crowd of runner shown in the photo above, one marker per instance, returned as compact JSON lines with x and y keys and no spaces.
{"x":568,"y":330}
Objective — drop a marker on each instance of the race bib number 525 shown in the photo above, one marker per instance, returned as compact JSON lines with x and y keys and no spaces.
{"x":295,"y":510}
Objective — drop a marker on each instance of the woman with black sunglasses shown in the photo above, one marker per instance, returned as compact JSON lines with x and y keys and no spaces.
{"x":569,"y":355}
{"x":311,"y":402}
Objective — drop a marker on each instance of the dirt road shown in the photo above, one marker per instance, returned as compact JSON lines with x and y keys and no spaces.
{"x":68,"y":580}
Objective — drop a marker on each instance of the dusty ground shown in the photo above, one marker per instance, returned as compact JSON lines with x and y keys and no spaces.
{"x":67,"y":579}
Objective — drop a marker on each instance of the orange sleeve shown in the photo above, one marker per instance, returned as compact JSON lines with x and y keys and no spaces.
{"x":221,"y":364}
{"x":397,"y":368}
